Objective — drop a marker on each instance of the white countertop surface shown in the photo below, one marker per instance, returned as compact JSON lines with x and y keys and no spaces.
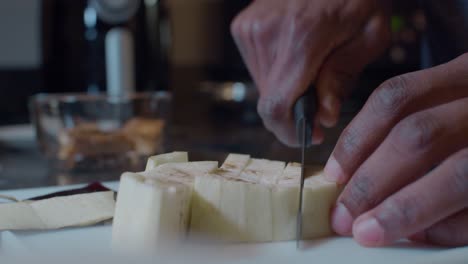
{"x":94,"y":241}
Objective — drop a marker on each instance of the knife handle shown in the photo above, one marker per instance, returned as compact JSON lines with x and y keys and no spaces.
{"x":306,"y":108}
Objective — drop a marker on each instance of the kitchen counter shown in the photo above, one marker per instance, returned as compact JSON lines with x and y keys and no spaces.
{"x":202,"y":124}
{"x":23,"y":166}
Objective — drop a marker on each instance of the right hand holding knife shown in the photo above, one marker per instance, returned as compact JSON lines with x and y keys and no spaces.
{"x":394,"y":174}
{"x":288,"y":45}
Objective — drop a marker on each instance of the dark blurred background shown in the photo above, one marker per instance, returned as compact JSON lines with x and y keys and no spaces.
{"x":185,"y":47}
{"x":58,"y":46}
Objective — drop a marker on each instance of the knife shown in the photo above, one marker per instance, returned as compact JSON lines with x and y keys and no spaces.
{"x":304,"y":112}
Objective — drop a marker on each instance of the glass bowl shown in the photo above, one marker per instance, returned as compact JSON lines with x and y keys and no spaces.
{"x":82,"y":132}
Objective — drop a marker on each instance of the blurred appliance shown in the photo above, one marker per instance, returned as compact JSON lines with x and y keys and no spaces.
{"x":20,"y":57}
{"x":60,"y":46}
{"x":92,"y":45}
{"x":119,"y":49}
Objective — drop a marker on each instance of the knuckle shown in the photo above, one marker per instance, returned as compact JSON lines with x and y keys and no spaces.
{"x":302,"y":27}
{"x":389,"y":99}
{"x":399,"y":210}
{"x":460,"y":173}
{"x":241,"y":27}
{"x":272,"y":108}
{"x":349,"y":142}
{"x":299,"y":25}
{"x":359,"y":197}
{"x":416,"y":133}
{"x":236,"y":28}
{"x":260,"y":26}
{"x":246,"y":27}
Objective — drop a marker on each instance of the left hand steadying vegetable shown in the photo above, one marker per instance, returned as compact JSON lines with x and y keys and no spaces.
{"x":404,"y":158}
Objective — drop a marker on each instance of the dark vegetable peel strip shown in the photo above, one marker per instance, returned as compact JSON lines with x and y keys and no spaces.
{"x":90,"y":188}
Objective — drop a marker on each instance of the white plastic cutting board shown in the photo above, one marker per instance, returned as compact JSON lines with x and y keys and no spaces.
{"x":95,"y":241}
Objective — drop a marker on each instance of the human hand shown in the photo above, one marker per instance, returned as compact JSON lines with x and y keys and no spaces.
{"x":288,"y":45}
{"x":404,"y":158}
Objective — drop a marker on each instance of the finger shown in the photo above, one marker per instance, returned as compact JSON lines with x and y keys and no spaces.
{"x":242,"y":32}
{"x":304,"y":44}
{"x":254,"y":30}
{"x":265,"y":47}
{"x":265,"y":34}
{"x":441,"y":193}
{"x":452,"y":231}
{"x":342,"y":68}
{"x":317,"y":133}
{"x":272,"y":111}
{"x":392,"y":101}
{"x":302,"y":62}
{"x":287,"y":133}
{"x":411,"y":149}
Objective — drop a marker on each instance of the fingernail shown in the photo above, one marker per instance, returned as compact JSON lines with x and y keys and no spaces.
{"x":419,"y":237}
{"x":331,"y":104}
{"x":342,"y":221}
{"x":333,"y":171}
{"x":317,"y":140}
{"x":328,"y":121}
{"x":368,"y":232}
{"x":317,"y":136}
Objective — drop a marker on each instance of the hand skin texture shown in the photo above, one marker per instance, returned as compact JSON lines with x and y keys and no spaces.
{"x":288,"y":45}
{"x":404,"y":159}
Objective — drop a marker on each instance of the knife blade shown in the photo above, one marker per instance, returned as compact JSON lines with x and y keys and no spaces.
{"x":304,"y":112}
